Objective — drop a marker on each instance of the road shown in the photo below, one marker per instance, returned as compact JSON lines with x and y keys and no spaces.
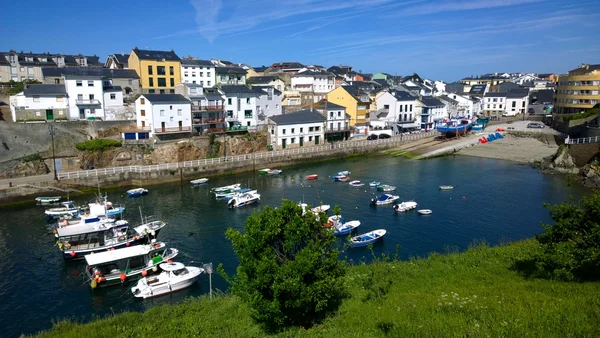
{"x":26,"y":180}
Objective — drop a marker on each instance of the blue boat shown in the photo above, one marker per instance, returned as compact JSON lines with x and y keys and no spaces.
{"x":345,"y":228}
{"x":478,"y":126}
{"x":137,"y":192}
{"x":368,"y":238}
{"x":454,"y":127}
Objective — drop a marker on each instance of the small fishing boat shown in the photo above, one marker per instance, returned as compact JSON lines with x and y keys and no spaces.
{"x":174,"y":277}
{"x":199,"y":181}
{"x":446,"y":187}
{"x":384,"y":199}
{"x":346,"y":228}
{"x":228,"y":194}
{"x":68,"y":209}
{"x":274,"y":172}
{"x":321,"y":208}
{"x":341,"y":178}
{"x":374,"y":184}
{"x":334,"y":221}
{"x":264,"y":171}
{"x":126,"y":264}
{"x":47,"y":200}
{"x":344,"y":173}
{"x":238,"y":193}
{"x":244,"y":199}
{"x":405,"y":206}
{"x":312,"y":177}
{"x":137,"y":192}
{"x":356,"y":183}
{"x":386,"y":188}
{"x":425,"y":211}
{"x":225,"y":188}
{"x":368,"y":238}
{"x":102,"y":207}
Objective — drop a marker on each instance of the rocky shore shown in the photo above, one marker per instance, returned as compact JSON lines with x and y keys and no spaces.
{"x":562,"y":163}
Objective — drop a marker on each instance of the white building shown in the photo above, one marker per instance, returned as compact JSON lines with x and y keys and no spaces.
{"x":198,"y":72}
{"x":268,"y":102}
{"x":432,"y":112}
{"x":240,"y":105}
{"x":525,"y":78}
{"x":86,"y":97}
{"x":506,"y":104}
{"x":40,"y":102}
{"x":517,"y":102}
{"x":207,"y":107}
{"x":467,"y":106}
{"x":337,"y":125}
{"x":494,"y":104}
{"x":163,"y":114}
{"x":400,"y":110}
{"x":299,"y":129}
{"x":317,"y":83}
{"x":114,"y":109}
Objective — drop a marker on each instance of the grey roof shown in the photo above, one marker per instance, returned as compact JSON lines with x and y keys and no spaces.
{"x":236,"y":89}
{"x":170,"y":98}
{"x":230,"y":70}
{"x":287,"y":65}
{"x":327,"y":105}
{"x":299,"y":117}
{"x":403,"y":96}
{"x":262,"y":79}
{"x":260,"y":69}
{"x":517,"y":94}
{"x":430,"y":101}
{"x":542,"y":96}
{"x":505,"y":86}
{"x":200,"y":63}
{"x":45,"y":89}
{"x":156,"y":55}
{"x":495,"y":94}
{"x":382,"y":82}
{"x":312,"y":73}
{"x":478,"y":89}
{"x":449,"y":99}
{"x":93,"y":72}
{"x":262,"y":90}
{"x":122,"y":58}
{"x":113,"y":89}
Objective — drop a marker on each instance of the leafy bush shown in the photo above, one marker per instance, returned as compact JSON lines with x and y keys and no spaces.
{"x":591,"y":112}
{"x":32,"y":158}
{"x":99,"y":144}
{"x":571,"y":246}
{"x":289,"y":273}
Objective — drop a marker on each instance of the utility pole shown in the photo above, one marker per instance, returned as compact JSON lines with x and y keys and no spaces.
{"x":52,"y":132}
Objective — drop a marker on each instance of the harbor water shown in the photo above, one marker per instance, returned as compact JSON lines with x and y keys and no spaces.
{"x":492,"y":200}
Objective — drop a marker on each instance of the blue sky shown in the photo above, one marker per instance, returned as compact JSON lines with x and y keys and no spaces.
{"x":438,"y":39}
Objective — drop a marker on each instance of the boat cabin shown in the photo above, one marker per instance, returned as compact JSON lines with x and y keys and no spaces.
{"x":85,"y":236}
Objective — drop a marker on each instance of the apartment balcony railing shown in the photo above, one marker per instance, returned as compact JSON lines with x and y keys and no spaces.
{"x":207,"y":107}
{"x":172,"y":130}
{"x":208,"y":120}
{"x":406,"y":122}
{"x":92,"y":102}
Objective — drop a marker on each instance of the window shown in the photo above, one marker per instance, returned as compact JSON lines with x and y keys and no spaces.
{"x":229,"y":101}
{"x":293,"y":130}
{"x":56,"y":81}
{"x":247,"y":100}
{"x":92,"y":111}
{"x":185,"y":67}
{"x":272,"y":131}
{"x":331,"y":126}
{"x":201,"y":83}
{"x":494,"y":106}
{"x":22,"y":69}
{"x":37,"y":113}
{"x":523,"y":104}
{"x":142,"y":100}
{"x":149,"y":69}
{"x":142,"y":112}
{"x":162,"y":112}
{"x":170,"y":107}
{"x":193,"y":74}
{"x":310,"y":139}
{"x":171,"y":119}
{"x":186,"y":73}
{"x":500,"y":106}
{"x":488,"y":106}
{"x":386,"y":106}
{"x":293,"y":140}
{"x":248,"y":113}
{"x":201,"y":74}
{"x":91,"y":97}
{"x":514,"y":104}
{"x":79,"y":97}
{"x":171,"y":70}
{"x":172,"y":82}
{"x":59,"y":99}
{"x":151,"y":82}
{"x":310,"y":129}
{"x":283,"y":131}
{"x":208,"y":75}
{"x":180,"y":112}
{"x":316,"y":128}
{"x":79,"y":83}
{"x":160,"y":70}
{"x":301,"y":130}
{"x":411,"y":107}
{"x":36,"y":98}
{"x":277,"y":106}
{"x":339,"y":126}
{"x":495,"y":100}
{"x":151,"y":91}
{"x":162,"y":82}
{"x":339,"y":114}
{"x":331,"y":114}
{"x":30,"y":70}
{"x":90,"y":83}
{"x":113,"y":96}
{"x":208,"y":83}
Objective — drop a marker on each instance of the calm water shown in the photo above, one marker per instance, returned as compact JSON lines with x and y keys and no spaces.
{"x":492,"y":200}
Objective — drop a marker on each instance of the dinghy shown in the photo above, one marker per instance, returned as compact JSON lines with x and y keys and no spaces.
{"x":425,"y":211}
{"x":384,"y":199}
{"x":264,"y":171}
{"x":386,"y":188}
{"x":356,"y":183}
{"x":346,"y":228}
{"x":68,"y":209}
{"x":368,"y":238}
{"x":225,"y":188}
{"x":446,"y":187}
{"x":312,"y":177}
{"x":405,"y":206}
{"x":344,"y":173}
{"x":321,"y":208}
{"x":47,"y":200}
{"x":137,"y":192}
{"x":199,"y":181}
{"x":374,"y":184}
{"x":274,"y":172}
{"x":341,"y":178}
{"x":174,"y":277}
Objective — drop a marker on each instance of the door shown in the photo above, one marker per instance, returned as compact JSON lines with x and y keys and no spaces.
{"x":143,"y":124}
{"x":301,"y":141}
{"x":82,"y":114}
{"x":180,"y":125}
{"x":49,"y":114}
{"x":317,"y":139}
{"x":283,"y":143}
{"x":162,"y":126}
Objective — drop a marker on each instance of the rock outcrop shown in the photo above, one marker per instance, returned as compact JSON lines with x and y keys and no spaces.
{"x":18,"y":168}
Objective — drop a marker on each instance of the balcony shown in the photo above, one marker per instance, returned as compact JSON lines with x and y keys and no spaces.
{"x":92,"y":102}
{"x":207,"y":107}
{"x":208,"y":120}
{"x":172,"y":130}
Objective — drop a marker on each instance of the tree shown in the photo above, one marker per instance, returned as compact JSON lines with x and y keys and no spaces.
{"x":571,"y":246}
{"x":288,"y":272}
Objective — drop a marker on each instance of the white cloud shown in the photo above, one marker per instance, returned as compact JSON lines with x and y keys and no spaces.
{"x":452,"y":6}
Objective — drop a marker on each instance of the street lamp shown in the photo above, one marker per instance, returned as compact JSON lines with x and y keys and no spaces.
{"x":52,"y":132}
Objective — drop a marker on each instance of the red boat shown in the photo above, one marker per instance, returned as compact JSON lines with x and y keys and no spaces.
{"x":312,"y":177}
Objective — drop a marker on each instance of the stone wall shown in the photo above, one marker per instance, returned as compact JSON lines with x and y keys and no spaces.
{"x":582,"y":154}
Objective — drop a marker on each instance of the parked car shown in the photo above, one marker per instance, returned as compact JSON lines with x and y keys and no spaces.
{"x":382,"y":136}
{"x":531,"y":111}
{"x":536,"y":125}
{"x":372,"y":137}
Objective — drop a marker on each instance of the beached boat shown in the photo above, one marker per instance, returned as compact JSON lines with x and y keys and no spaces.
{"x":68,"y":209}
{"x":199,"y":181}
{"x":137,"y":192}
{"x":446,"y":187}
{"x":244,"y":199}
{"x":368,"y":238}
{"x":174,"y":277}
{"x":454,"y":126}
{"x":126,"y":264}
{"x":226,"y":188}
{"x":344,"y":173}
{"x":76,"y":241}
{"x":341,"y":178}
{"x":384,"y":199}
{"x":478,"y":127}
{"x":47,"y":200}
{"x":346,"y":228}
{"x":405,"y":206}
{"x":374,"y":184}
{"x":274,"y":172}
{"x":425,"y":211}
{"x":356,"y":183}
{"x":386,"y":188}
{"x":312,"y":177}
{"x":264,"y":171}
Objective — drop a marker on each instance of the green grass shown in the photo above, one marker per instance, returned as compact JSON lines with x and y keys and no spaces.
{"x":99,"y":144}
{"x":476,"y":293}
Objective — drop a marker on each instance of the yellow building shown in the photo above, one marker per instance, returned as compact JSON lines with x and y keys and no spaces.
{"x":159,"y":71}
{"x":357,"y":103}
{"x":578,"y":91}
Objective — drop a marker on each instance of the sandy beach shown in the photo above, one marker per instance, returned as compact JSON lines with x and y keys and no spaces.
{"x":512,"y":148}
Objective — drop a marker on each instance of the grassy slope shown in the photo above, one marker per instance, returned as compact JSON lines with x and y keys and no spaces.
{"x":475,"y":293}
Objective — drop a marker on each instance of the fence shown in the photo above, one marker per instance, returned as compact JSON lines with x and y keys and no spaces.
{"x":583,"y":140}
{"x":240,"y":158}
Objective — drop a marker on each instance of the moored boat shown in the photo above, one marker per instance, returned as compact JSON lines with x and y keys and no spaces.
{"x":174,"y":277}
{"x":312,"y":177}
{"x":321,"y":208}
{"x":199,"y":181}
{"x":264,"y":171}
{"x":126,"y":264}
{"x":384,"y":199}
{"x":344,"y":173}
{"x":48,"y":200}
{"x":225,"y":188}
{"x":239,"y":193}
{"x":228,"y":194}
{"x":446,"y":187}
{"x":425,"y":211}
{"x":356,"y":183}
{"x":341,"y":178}
{"x":68,"y":209}
{"x":244,"y":199}
{"x":274,"y":172}
{"x":386,"y":188}
{"x":334,"y":221}
{"x":137,"y":192}
{"x":368,"y":238}
{"x":374,"y":184}
{"x":405,"y":206}
{"x":346,"y":228}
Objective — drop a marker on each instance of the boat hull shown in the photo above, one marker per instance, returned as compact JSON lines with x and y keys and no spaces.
{"x":150,"y":291}
{"x":79,"y":254}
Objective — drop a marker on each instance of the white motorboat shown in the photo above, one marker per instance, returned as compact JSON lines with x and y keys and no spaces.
{"x":321,"y":208}
{"x":341,"y":178}
{"x":274,"y":172}
{"x":240,"y":193}
{"x":344,"y":173}
{"x":374,"y":184}
{"x":425,"y":211}
{"x":137,"y":192}
{"x":199,"y":181}
{"x":264,"y":171}
{"x":229,"y":194}
{"x":247,"y":198}
{"x":356,"y":183}
{"x":405,"y":206}
{"x":47,"y":200}
{"x":174,"y":277}
{"x":334,"y":221}
{"x":68,"y":209}
{"x":226,"y":188}
{"x":386,"y":188}
{"x":346,"y":228}
{"x":446,"y":187}
{"x":384,"y":199}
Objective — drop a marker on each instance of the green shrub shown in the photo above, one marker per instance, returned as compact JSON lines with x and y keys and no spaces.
{"x":591,"y":112}
{"x":288,"y":272}
{"x":99,"y":144}
{"x":32,"y":158}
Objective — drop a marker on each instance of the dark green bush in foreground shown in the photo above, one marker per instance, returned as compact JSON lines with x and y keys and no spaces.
{"x":99,"y":144}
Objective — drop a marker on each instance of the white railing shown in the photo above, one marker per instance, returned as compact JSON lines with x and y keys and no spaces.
{"x":241,"y":158}
{"x":583,"y":140}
